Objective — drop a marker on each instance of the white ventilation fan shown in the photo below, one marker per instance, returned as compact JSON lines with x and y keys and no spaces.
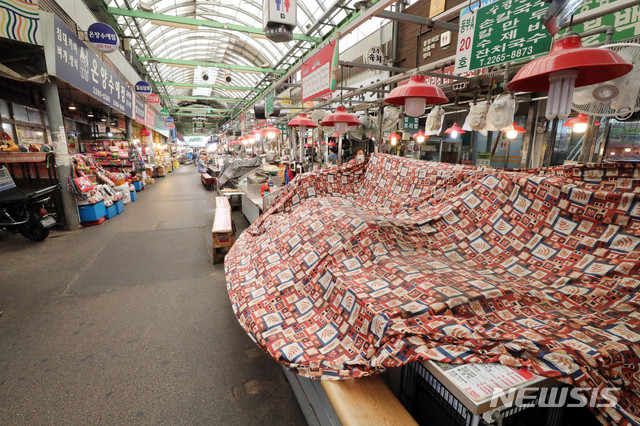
{"x":614,"y":98}
{"x":390,"y":117}
{"x":318,"y":115}
{"x":365,"y":130}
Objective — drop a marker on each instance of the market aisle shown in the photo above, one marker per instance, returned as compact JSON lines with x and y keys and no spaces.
{"x":129,"y":322}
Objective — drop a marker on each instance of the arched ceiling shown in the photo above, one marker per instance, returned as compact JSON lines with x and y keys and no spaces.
{"x":180,"y":41}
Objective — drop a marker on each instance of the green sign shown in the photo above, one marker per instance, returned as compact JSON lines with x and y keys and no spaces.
{"x":504,"y":31}
{"x":483,"y":159}
{"x":410,"y":124}
{"x":625,"y":22}
{"x":282,"y":127}
{"x":164,"y":113}
{"x":268,"y":104}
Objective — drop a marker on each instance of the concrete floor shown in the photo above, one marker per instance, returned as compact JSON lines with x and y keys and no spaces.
{"x":130,"y":323}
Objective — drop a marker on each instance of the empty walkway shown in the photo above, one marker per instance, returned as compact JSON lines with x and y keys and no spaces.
{"x":130,"y":323}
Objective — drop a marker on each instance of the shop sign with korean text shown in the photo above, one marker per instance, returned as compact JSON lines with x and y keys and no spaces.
{"x":143,"y":88}
{"x":504,"y":31}
{"x":625,"y":22}
{"x":319,"y":73}
{"x":153,"y":99}
{"x":103,"y":37}
{"x":410,"y":124}
{"x":167,"y":119}
{"x":268,"y":104}
{"x":76,"y":64}
{"x":150,"y":118}
{"x":139,"y":110}
{"x":164,"y":112}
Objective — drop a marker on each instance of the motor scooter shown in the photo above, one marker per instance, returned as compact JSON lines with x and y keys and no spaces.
{"x":25,"y":212}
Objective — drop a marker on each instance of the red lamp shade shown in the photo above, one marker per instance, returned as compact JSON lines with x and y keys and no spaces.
{"x":513,"y":132}
{"x":420,"y":136}
{"x":415,"y":95}
{"x":580,"y":119}
{"x":145,"y":132}
{"x":394,"y":138}
{"x":455,"y":129}
{"x":594,"y":65}
{"x":335,"y":135}
{"x":340,"y":120}
{"x":567,"y":66}
{"x":302,"y":121}
{"x":332,"y":144}
{"x":307,"y":145}
{"x":270,"y":131}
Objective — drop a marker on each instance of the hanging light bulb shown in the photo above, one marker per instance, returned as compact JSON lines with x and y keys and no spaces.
{"x":72,"y":106}
{"x":420,"y":136}
{"x":513,"y":131}
{"x":415,"y":95}
{"x":454,"y":131}
{"x":567,"y":66}
{"x":579,"y":123}
{"x":340,"y":120}
{"x":394,"y":138}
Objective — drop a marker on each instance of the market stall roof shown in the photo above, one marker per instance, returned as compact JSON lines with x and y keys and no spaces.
{"x":192,"y":48}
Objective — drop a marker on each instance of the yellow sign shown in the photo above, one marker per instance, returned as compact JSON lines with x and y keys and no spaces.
{"x":437,"y":7}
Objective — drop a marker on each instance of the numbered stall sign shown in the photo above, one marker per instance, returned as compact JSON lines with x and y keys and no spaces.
{"x":103,"y":37}
{"x":504,"y":31}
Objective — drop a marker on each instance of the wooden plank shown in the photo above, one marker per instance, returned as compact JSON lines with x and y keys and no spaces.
{"x":312,"y":400}
{"x":366,"y":401}
{"x":222,"y":203}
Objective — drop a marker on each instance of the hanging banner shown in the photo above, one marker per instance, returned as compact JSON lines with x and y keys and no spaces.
{"x":143,"y":88}
{"x":500,"y":32}
{"x":316,"y":74}
{"x":103,"y":37}
{"x":153,"y":99}
{"x":76,"y":64}
{"x":20,"y":20}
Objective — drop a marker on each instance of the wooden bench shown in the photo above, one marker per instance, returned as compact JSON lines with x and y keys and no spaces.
{"x":207,"y":180}
{"x":223,"y":228}
{"x":366,"y":401}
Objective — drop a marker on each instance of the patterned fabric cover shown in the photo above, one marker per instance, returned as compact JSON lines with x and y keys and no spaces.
{"x":376,"y":264}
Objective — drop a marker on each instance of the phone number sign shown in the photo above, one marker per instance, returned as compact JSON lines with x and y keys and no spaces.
{"x":503,"y":31}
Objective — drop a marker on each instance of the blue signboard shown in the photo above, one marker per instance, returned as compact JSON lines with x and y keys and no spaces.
{"x":169,"y":119}
{"x":76,"y":64}
{"x":143,"y":87}
{"x":103,"y":37}
{"x":139,"y":111}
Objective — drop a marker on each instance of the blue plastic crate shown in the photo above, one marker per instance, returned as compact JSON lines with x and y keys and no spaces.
{"x":92,"y":212}
{"x":119,"y":206}
{"x":133,"y":196}
{"x":138,"y":185}
{"x":112,"y":210}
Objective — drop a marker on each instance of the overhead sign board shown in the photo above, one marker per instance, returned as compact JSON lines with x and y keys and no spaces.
{"x":504,"y":31}
{"x":164,"y":112}
{"x":143,"y":87}
{"x":103,"y":37}
{"x":153,"y":99}
{"x":316,"y":74}
{"x":268,"y":104}
{"x":76,"y":64}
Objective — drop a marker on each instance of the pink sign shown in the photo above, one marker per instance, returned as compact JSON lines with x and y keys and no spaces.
{"x":153,"y":99}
